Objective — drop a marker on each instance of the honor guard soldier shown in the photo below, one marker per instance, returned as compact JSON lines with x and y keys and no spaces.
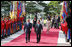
{"x":68,"y":20}
{"x":8,"y":26}
{"x":22,"y":20}
{"x":5,"y":26}
{"x":21,"y":23}
{"x":2,"y":28}
{"x":12,"y":26}
{"x":16,"y":23}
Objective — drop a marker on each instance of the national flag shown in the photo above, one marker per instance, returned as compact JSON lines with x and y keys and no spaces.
{"x":13,"y":8}
{"x":66,"y":6}
{"x":20,"y":9}
{"x":17,"y":9}
{"x":24,"y":9}
{"x":11,"y":11}
{"x":64,"y":11}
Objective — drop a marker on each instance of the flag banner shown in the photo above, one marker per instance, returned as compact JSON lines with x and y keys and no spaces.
{"x":24,"y":9}
{"x":15,"y":10}
{"x":20,"y":9}
{"x":66,"y":4}
{"x":65,"y":10}
{"x":61,"y":17}
{"x":13,"y":7}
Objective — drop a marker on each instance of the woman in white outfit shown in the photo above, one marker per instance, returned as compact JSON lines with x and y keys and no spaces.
{"x":48,"y":24}
{"x":41,"y":21}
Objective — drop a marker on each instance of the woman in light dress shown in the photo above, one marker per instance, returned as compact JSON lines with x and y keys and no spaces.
{"x":41,"y":21}
{"x":48,"y":24}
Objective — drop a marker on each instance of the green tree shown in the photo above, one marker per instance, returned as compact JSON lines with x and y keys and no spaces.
{"x":5,"y":5}
{"x":30,"y":7}
{"x":54,"y":5}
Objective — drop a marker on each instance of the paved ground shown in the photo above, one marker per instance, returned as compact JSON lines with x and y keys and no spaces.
{"x":61,"y":38}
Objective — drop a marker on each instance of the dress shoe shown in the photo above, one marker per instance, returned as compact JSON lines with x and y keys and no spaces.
{"x":37,"y":42}
{"x":67,"y":40}
{"x":28,"y":40}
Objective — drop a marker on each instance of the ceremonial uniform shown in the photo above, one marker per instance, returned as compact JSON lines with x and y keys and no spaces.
{"x":2,"y":29}
{"x":24,"y":19}
{"x":8,"y":28}
{"x":16,"y":24}
{"x":68,"y":20}
{"x":21,"y":22}
{"x":12,"y":26}
{"x":10,"y":21}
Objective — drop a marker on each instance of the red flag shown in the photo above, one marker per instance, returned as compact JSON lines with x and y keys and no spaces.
{"x":17,"y":10}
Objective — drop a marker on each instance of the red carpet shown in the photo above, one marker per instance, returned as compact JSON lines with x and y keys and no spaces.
{"x":49,"y":39}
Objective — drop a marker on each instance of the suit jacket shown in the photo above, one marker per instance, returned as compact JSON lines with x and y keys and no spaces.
{"x":58,"y":19}
{"x":27,"y":27}
{"x":34,"y":23}
{"x":38,"y":28}
{"x":53,"y":20}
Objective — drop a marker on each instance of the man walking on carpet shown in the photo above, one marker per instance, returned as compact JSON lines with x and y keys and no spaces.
{"x":27,"y":29}
{"x":39,"y":28}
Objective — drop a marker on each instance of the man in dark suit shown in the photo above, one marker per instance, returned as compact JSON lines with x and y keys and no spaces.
{"x":36,"y":16}
{"x":69,"y":24}
{"x":53,"y":20}
{"x":34,"y":23}
{"x":27,"y":29}
{"x":58,"y":21}
{"x":39,"y":28}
